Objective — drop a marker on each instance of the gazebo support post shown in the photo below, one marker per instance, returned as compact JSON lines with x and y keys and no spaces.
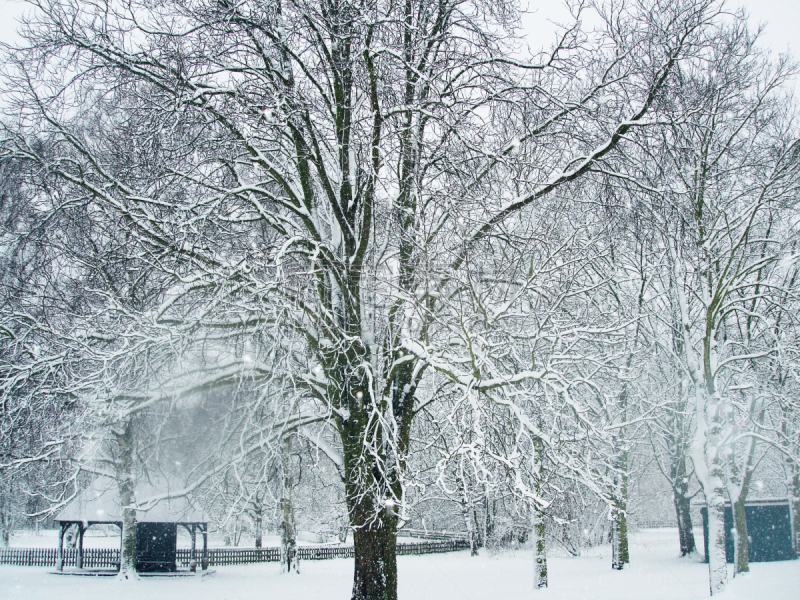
{"x":81,"y":529}
{"x":205,"y":547}
{"x":194,"y":546}
{"x":60,"y":559}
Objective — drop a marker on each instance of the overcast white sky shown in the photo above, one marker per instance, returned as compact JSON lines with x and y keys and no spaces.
{"x":782,"y":18}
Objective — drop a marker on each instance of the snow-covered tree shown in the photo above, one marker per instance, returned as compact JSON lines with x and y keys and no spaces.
{"x":717,"y":177}
{"x":330,"y":176}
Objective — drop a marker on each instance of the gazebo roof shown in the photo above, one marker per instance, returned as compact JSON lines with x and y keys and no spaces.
{"x":99,"y":503}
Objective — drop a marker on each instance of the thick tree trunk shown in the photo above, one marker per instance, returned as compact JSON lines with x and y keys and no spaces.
{"x":714,"y":490}
{"x":375,"y":576}
{"x":127,"y":557}
{"x":373,"y":521}
{"x":126,"y":486}
{"x":717,"y":562}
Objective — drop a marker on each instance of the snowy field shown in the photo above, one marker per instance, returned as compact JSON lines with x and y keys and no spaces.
{"x":655,"y":574}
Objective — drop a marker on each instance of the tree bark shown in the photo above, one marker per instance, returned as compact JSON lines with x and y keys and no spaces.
{"x":258,"y":521}
{"x":473,"y":537}
{"x":60,"y":555}
{"x":616,"y":540}
{"x":467,"y":513}
{"x":126,"y":487}
{"x":288,"y":529}
{"x":714,"y":489}
{"x":374,"y":525}
{"x":5,"y":520}
{"x":538,"y":532}
{"x":372,"y":516}
{"x":479,"y":534}
{"x":684,"y":518}
{"x":619,"y":523}
{"x":794,"y":512}
{"x":742,"y":547}
{"x":375,"y":576}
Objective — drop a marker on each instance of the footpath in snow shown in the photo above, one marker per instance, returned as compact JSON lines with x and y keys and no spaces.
{"x":655,"y":573}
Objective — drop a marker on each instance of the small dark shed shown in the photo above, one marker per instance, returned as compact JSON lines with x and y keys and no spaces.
{"x":156,"y":545}
{"x":769,"y":529}
{"x":156,"y":529}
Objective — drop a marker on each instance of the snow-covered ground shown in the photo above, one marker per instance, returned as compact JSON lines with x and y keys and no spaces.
{"x":655,"y":573}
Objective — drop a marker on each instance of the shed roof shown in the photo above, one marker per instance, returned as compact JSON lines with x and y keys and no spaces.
{"x":100,"y":503}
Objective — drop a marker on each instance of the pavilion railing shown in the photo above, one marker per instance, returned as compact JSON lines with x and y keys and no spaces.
{"x":109,"y":557}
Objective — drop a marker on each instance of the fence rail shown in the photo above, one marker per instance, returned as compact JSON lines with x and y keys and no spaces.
{"x":109,"y":557}
{"x":47,"y":557}
{"x":653,"y":524}
{"x":432,"y":535}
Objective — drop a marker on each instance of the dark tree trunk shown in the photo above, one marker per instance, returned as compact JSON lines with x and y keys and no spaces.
{"x":680,"y":497}
{"x":476,"y":524}
{"x":489,"y":508}
{"x":684,"y":517}
{"x":742,"y":549}
{"x":679,"y":479}
{"x":370,"y":492}
{"x":258,"y":521}
{"x":375,"y":576}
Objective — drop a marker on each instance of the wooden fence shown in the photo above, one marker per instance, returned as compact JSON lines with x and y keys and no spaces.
{"x":47,"y":557}
{"x":652,"y":524}
{"x":109,"y":557}
{"x":431,"y":535}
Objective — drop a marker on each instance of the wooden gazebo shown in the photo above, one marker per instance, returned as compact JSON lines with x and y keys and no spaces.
{"x":156,"y":529}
